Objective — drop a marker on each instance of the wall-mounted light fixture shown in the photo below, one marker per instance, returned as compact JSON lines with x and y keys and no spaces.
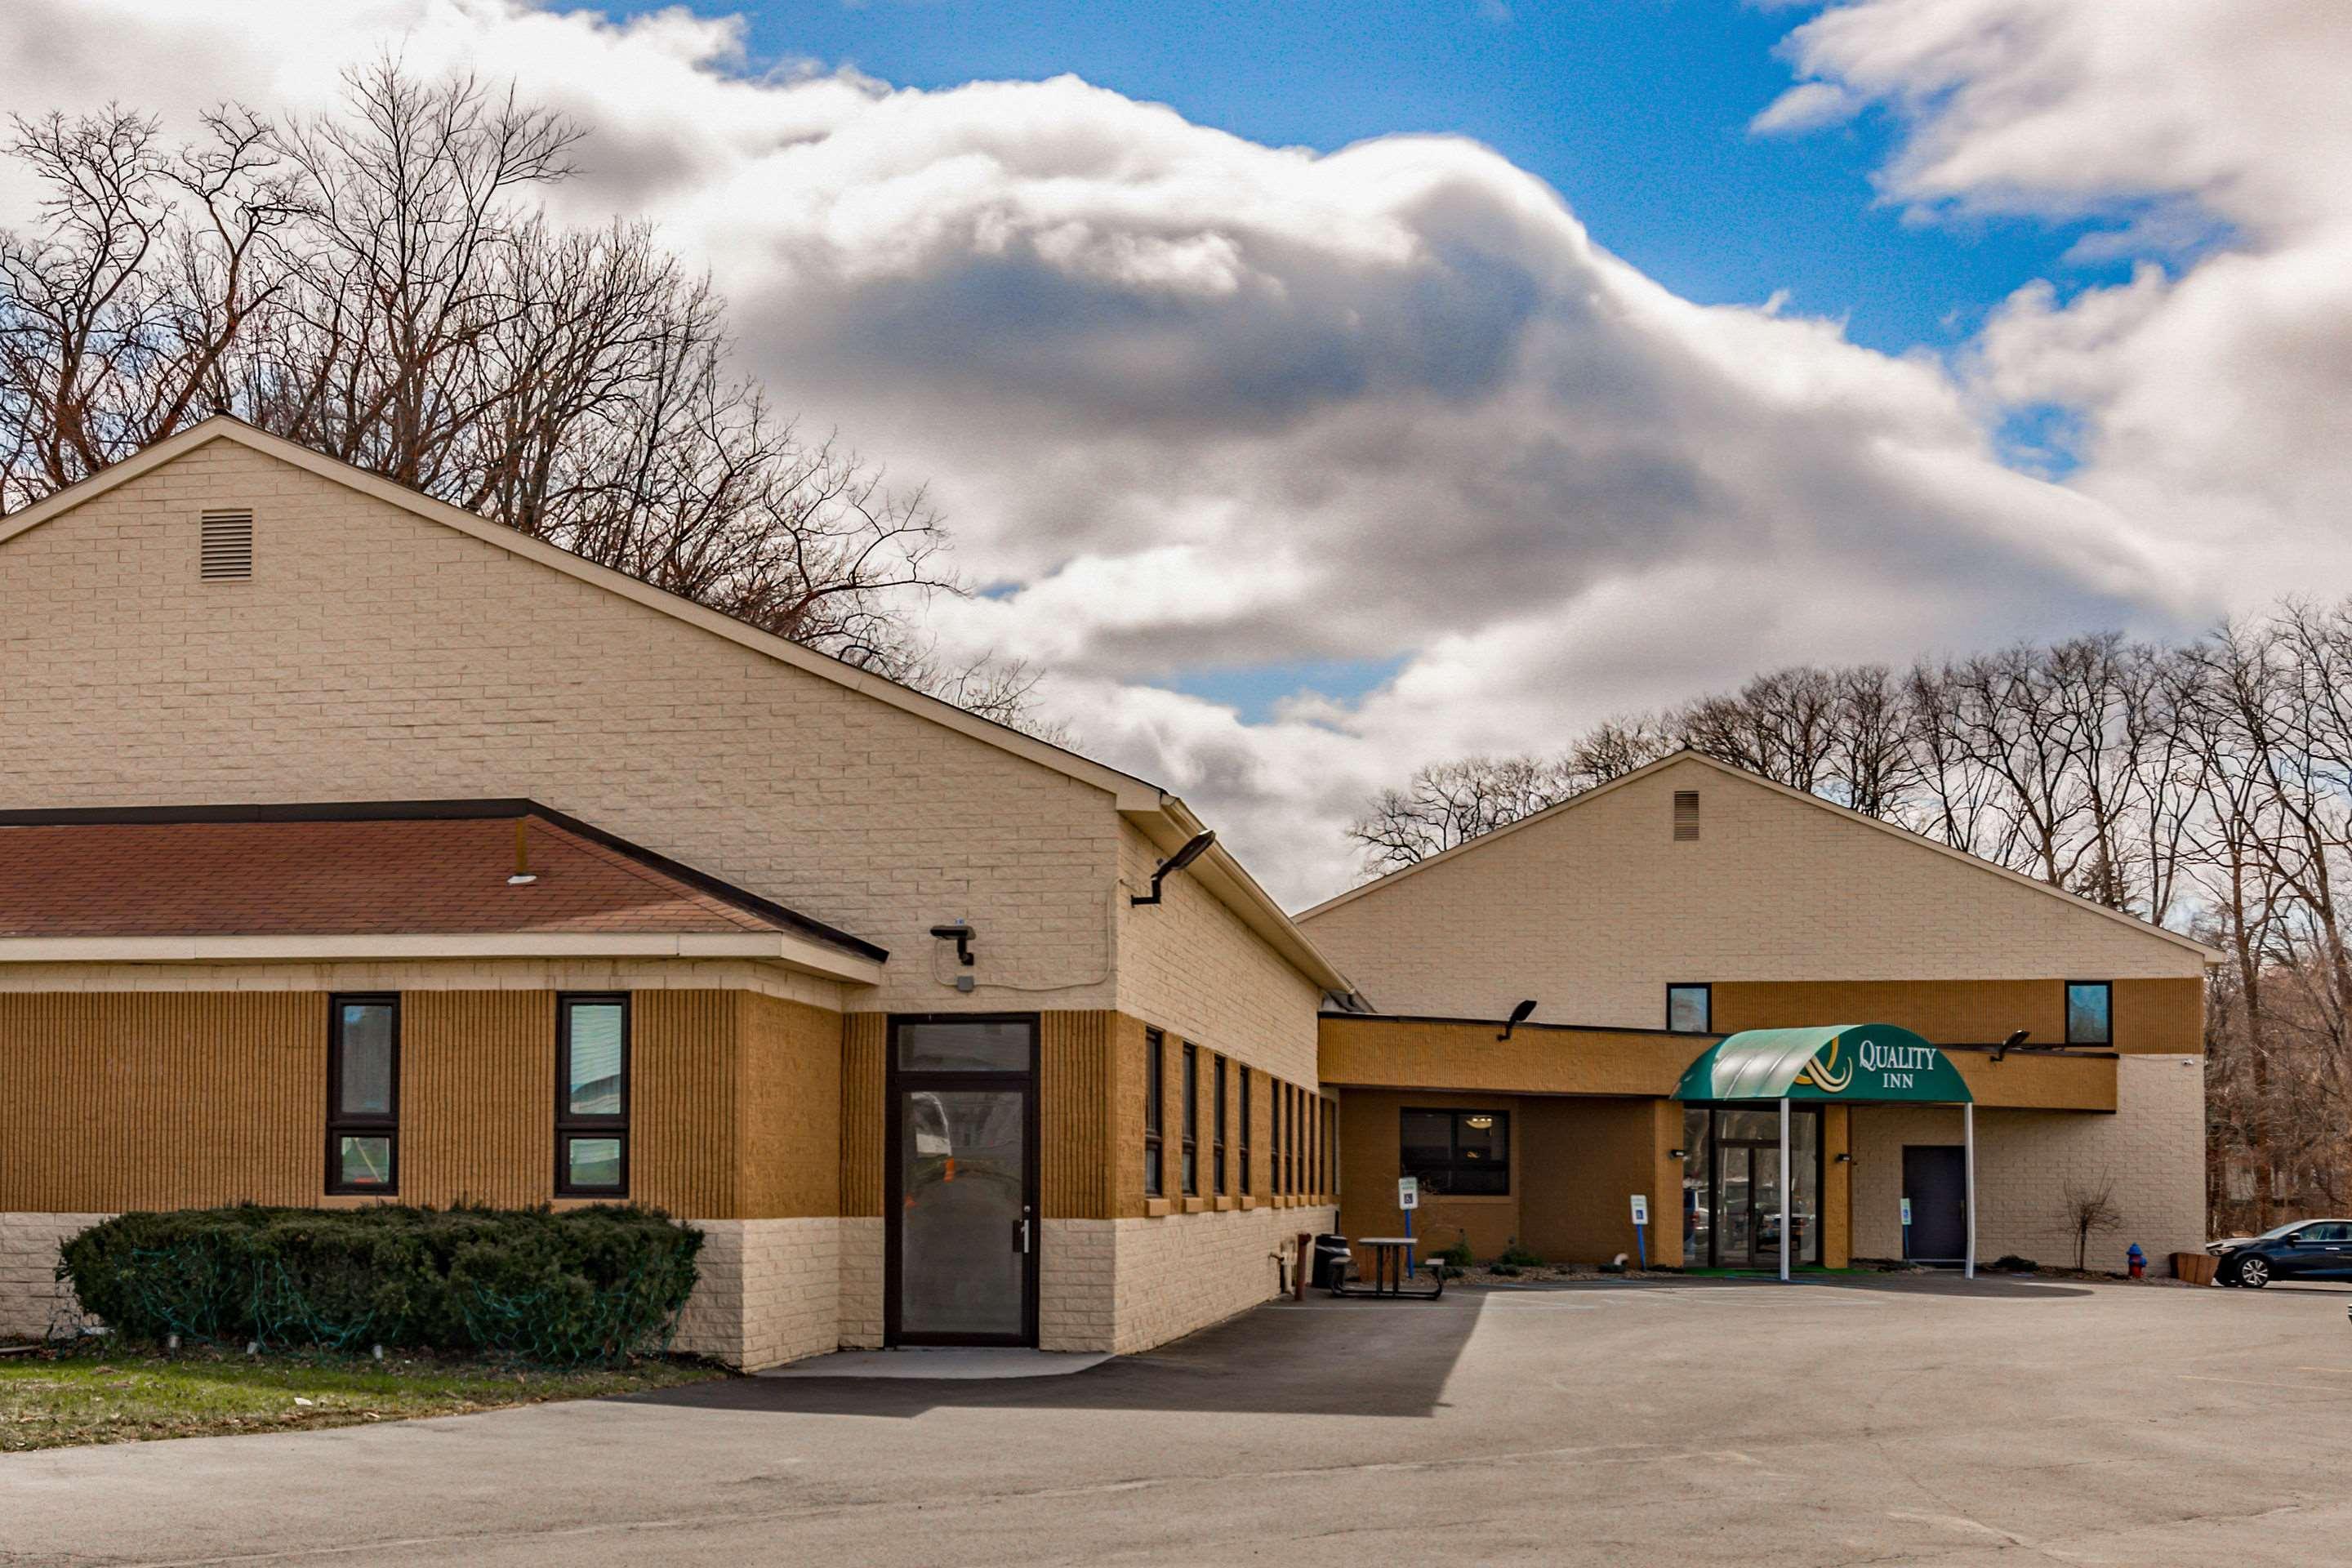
{"x":2011,"y":1044}
{"x":1193,"y":850}
{"x":1843,"y":1160}
{"x":1677,"y":1153}
{"x":961,"y":934}
{"x":1519,"y":1015}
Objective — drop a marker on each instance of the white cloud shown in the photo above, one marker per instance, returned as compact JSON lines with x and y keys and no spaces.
{"x":1201,"y":402}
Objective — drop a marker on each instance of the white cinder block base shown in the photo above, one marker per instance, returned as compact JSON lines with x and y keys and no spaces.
{"x":2152,"y":1149}
{"x":1126,"y":1285}
{"x":32,"y":1298}
{"x":769,"y":1292}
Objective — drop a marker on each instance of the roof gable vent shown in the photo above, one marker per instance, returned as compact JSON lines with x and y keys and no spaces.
{"x":226,"y":553}
{"x":1685,"y":815}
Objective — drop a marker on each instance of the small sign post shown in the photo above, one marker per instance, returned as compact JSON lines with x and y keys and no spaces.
{"x":1409,"y":1199}
{"x":1906,"y":1227}
{"x":1641,"y":1228}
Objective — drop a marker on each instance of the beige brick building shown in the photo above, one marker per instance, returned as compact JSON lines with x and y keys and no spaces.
{"x":618,"y":899}
{"x":1689,"y":902}
{"x":230,"y":622}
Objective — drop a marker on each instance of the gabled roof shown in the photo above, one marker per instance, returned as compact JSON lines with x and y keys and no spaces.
{"x":389,"y":879}
{"x":1163,"y":817}
{"x":1688,"y":756}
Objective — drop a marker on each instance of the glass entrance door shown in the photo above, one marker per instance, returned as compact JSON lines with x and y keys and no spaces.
{"x":961,"y":1257}
{"x":1731,"y":1187}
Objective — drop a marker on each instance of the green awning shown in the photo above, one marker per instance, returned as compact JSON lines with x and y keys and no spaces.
{"x":1852,"y":1064}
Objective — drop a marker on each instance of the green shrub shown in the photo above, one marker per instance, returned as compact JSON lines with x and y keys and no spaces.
{"x":2010,"y":1262}
{"x":589,"y":1284}
{"x":1458,"y":1256}
{"x":1513,"y":1256}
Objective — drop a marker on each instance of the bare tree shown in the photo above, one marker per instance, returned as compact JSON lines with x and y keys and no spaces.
{"x":2091,"y":1209}
{"x":380,"y":283}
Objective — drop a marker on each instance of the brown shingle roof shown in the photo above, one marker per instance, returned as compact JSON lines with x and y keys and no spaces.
{"x":414,"y":874}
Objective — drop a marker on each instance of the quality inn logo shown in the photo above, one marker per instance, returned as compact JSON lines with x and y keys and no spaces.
{"x":1825,"y":1072}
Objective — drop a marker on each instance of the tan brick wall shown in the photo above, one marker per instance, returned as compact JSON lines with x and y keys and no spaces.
{"x":32,"y":1301}
{"x":769,"y":1292}
{"x":377,"y":654}
{"x":859,"y":1297}
{"x":1189,"y":966}
{"x":2152,"y":1148}
{"x":1183,"y":1273}
{"x":1594,"y":910}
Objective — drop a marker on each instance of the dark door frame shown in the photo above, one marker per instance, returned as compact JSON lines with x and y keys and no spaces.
{"x":1904,"y":1151}
{"x":1717,"y":1144}
{"x":895,"y":1085}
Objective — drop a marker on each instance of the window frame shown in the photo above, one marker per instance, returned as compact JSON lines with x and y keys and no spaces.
{"x":1189,"y":1120}
{"x":1155,"y":1113}
{"x":1247,"y":1186}
{"x":1706,"y":988}
{"x":341,"y":1124}
{"x":1455,"y":1116}
{"x":569,"y":1126}
{"x":2066,"y":1006}
{"x":1218,"y":1184}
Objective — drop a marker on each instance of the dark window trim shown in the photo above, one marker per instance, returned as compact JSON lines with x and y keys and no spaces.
{"x":2065,"y":1005}
{"x":1674,"y":986}
{"x":569,"y":1126}
{"x":1155,"y":1113}
{"x":1454,"y":1114}
{"x":1246,"y":1108}
{"x":1217,"y":1131}
{"x":341,"y":1124}
{"x":1190,"y":1121}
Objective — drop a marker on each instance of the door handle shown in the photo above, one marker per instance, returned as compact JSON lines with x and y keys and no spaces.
{"x":1020,"y":1235}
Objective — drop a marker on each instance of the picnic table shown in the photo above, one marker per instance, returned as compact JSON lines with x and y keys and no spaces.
{"x":1389,"y":1257}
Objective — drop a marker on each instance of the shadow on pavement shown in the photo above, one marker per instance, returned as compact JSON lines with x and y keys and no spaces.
{"x":1984,"y":1287}
{"x":1315,"y":1357}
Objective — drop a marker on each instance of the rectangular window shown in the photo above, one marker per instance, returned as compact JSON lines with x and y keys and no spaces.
{"x":1246,"y":1187}
{"x":1290,"y":1140}
{"x":364,"y":1094}
{"x":1155,"y":1096}
{"x":1690,"y":1009}
{"x":1465,"y":1153}
{"x":2089,"y":1016}
{"x":1191,"y":1113}
{"x":1281,"y":1136}
{"x":1331,"y":1147}
{"x":1217,"y":1133}
{"x":592,"y":1096}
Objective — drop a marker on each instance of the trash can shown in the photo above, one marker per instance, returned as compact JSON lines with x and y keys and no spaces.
{"x":1331,"y":1264}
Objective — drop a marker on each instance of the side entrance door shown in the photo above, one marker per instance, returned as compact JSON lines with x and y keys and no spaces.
{"x":1935,"y":1180}
{"x":960,"y":1263}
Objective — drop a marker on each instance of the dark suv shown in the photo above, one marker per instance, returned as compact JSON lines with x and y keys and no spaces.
{"x":2301,"y":1249}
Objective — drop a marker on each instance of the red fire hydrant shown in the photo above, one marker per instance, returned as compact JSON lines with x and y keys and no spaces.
{"x":2138,"y":1261}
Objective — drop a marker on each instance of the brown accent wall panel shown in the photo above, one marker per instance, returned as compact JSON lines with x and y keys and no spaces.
{"x":113,"y":1101}
{"x":864,"y":1042}
{"x":477,"y":1097}
{"x":2157,"y":1017}
{"x":1074,"y":1087}
{"x":1837,"y":1188}
{"x":789,"y":1110}
{"x":1128,"y":1067}
{"x":682,"y":1102}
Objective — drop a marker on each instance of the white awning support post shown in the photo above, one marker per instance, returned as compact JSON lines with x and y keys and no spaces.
{"x":1968,"y":1157}
{"x":1785,"y":1226}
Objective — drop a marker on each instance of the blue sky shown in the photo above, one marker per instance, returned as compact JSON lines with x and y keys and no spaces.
{"x":1636,"y":111}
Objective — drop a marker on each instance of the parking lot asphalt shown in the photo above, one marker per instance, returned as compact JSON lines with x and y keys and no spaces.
{"x":1910,"y":1421}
